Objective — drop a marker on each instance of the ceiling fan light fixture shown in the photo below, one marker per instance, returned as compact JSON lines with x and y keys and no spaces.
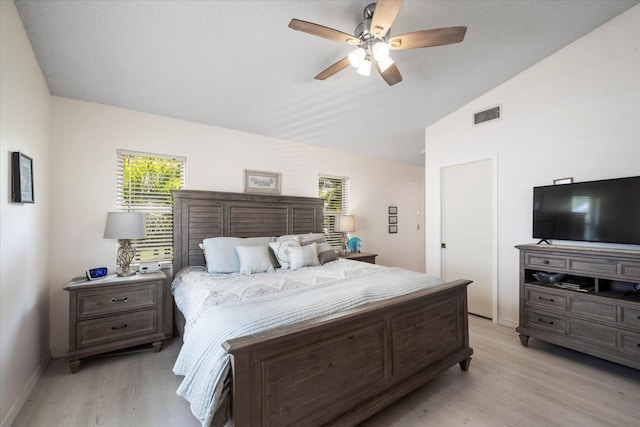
{"x":357,"y":57}
{"x":380,"y":51}
{"x":365,"y":68}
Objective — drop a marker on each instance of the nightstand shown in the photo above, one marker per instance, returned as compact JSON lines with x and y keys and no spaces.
{"x":361,"y":256}
{"x":114,"y":313}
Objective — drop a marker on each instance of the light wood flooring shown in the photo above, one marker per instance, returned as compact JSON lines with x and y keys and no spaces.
{"x":506,"y":385}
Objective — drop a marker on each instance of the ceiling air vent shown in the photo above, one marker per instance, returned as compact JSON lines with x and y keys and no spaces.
{"x":486,"y":115}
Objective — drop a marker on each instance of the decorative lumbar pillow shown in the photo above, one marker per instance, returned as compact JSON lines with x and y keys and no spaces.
{"x":326,"y":253}
{"x":254,"y":259}
{"x":221,"y":255}
{"x":282,"y":251}
{"x":303,"y":256}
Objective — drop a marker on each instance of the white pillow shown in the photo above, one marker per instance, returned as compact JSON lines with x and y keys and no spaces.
{"x":220,"y":252}
{"x":304,"y":256}
{"x":282,"y":250}
{"x":254,"y":259}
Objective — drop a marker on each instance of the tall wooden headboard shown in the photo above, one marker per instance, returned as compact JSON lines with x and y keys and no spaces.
{"x":198,"y":215}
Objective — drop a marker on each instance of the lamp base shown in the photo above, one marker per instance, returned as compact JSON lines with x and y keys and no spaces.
{"x":125,"y":256}
{"x":126,"y":273}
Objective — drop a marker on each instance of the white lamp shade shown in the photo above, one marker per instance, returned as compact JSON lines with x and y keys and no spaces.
{"x":345,"y":224}
{"x":125,"y":226}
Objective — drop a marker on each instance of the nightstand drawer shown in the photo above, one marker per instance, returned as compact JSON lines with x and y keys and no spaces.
{"x":98,"y":331}
{"x":116,"y":300}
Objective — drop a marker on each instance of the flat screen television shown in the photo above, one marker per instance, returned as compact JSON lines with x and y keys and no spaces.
{"x":594,"y":211}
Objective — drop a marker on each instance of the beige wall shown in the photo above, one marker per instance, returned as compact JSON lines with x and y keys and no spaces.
{"x":25,"y":113}
{"x":86,"y":136}
{"x":576,"y":113}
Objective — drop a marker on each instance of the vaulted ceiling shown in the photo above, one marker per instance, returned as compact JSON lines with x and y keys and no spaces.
{"x":237,"y":65}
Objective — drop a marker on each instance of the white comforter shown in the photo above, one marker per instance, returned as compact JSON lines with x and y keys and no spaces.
{"x":235,"y":307}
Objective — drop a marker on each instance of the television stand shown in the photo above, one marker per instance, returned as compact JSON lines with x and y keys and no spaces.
{"x":600,"y":317}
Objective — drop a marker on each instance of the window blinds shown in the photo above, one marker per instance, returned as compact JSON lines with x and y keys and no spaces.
{"x":335,"y":192}
{"x":144,"y":184}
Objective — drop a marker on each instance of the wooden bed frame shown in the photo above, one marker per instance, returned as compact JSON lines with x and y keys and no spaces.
{"x":333,"y":370}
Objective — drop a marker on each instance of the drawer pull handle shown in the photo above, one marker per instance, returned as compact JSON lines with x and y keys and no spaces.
{"x":546,"y":261}
{"x":115,"y":300}
{"x":548,"y":322}
{"x":546,"y":299}
{"x":113,"y":328}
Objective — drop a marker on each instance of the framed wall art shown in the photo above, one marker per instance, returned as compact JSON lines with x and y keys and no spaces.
{"x":393,"y":229}
{"x":22,"y":178}
{"x":393,"y":219}
{"x":393,"y":210}
{"x":262,"y":182}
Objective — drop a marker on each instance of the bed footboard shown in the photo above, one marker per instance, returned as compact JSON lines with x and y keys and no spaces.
{"x":343,"y":368}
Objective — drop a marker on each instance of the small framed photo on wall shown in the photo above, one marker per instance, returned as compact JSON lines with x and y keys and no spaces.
{"x":393,"y":229}
{"x":393,"y":210}
{"x":22,"y":178}
{"x":393,"y":219}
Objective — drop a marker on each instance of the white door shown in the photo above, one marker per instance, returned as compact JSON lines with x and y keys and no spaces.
{"x":467,"y":231}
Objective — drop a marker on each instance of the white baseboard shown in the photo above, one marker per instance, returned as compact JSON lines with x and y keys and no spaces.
{"x":507,"y":322}
{"x":22,"y":400}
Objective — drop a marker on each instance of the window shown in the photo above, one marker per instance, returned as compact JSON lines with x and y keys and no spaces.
{"x":145,"y":182}
{"x":335,"y":192}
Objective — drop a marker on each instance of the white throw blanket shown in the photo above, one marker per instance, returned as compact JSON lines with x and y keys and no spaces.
{"x":203,"y":361}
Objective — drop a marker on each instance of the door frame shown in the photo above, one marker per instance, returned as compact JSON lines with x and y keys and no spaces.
{"x":494,"y":240}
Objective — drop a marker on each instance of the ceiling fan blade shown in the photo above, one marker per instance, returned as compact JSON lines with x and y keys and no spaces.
{"x":391,"y":75}
{"x":428,"y":38}
{"x":331,"y":70}
{"x":383,"y":16}
{"x":322,"y":31}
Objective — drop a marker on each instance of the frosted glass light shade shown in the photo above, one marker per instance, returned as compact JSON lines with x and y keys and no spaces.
{"x":357,"y":57}
{"x":125,"y":225}
{"x":365,"y":68}
{"x":380,"y":51}
{"x":345,"y":224}
{"x":384,"y":64}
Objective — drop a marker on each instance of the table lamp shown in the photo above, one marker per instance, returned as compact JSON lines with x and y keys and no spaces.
{"x":125,"y":226}
{"x":345,"y":224}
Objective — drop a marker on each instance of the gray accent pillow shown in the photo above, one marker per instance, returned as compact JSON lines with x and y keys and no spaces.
{"x":326,"y":253}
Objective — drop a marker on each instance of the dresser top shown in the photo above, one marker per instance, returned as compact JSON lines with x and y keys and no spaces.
{"x":583,"y":250}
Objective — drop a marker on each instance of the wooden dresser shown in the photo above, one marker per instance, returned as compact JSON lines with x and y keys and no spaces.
{"x":114,"y":313}
{"x":602,"y":318}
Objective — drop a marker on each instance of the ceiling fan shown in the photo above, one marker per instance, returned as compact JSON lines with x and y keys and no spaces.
{"x":373,"y":41}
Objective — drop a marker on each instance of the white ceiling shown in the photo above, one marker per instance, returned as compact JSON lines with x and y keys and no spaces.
{"x":237,"y":65}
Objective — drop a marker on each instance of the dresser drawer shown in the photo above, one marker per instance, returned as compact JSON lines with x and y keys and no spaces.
{"x":591,"y":266}
{"x":113,"y":328}
{"x":591,"y":308}
{"x":630,"y":343}
{"x":629,"y":270}
{"x":545,"y":262}
{"x":116,"y":300}
{"x":544,"y":298}
{"x":544,"y":321}
{"x":630,"y":317}
{"x":593,"y":333}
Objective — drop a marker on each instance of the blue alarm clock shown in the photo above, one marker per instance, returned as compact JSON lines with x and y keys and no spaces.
{"x":97,"y":273}
{"x":354,"y":244}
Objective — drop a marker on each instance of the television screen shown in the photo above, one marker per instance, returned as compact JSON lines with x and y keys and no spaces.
{"x":594,"y":211}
